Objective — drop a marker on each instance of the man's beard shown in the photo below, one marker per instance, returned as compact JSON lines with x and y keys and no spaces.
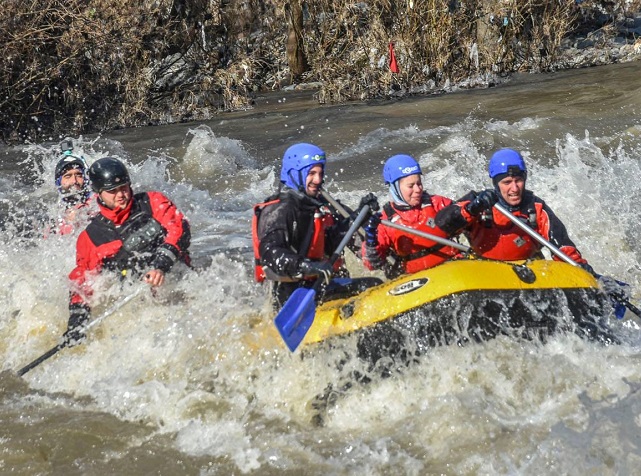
{"x":74,"y":195}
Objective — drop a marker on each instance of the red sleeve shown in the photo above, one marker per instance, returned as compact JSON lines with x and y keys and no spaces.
{"x":169,"y":217}
{"x":439,"y":202}
{"x":87,"y":262}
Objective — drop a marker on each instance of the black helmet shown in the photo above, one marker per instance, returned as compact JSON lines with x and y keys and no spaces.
{"x":68,"y":162}
{"x":108,"y":173}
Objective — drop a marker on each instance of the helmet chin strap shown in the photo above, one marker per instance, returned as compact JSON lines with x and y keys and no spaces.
{"x":300,"y":184}
{"x":395,"y":194}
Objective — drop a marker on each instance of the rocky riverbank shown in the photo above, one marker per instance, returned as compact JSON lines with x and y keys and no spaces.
{"x":613,"y":44}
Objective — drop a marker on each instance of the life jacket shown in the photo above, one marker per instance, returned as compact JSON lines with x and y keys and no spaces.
{"x":417,"y":253}
{"x":315,"y":242}
{"x":501,"y":239}
{"x":140,"y":235}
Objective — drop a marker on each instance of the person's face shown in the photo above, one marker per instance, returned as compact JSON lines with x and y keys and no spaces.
{"x":72,"y":180}
{"x":411,"y":188}
{"x":511,"y":189}
{"x":314,"y":180}
{"x":117,"y":198}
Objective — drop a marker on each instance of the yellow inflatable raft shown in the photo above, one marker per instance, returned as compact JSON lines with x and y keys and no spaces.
{"x":469,"y":299}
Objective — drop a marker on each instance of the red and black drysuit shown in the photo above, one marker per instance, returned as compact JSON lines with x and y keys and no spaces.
{"x":150,"y":233}
{"x":493,"y":235}
{"x":76,"y":212}
{"x":289,"y":228}
{"x":412,"y":253}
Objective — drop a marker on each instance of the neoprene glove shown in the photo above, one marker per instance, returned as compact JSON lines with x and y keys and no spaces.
{"x":483,"y":201}
{"x":322,"y":269}
{"x":78,"y":316}
{"x":165,"y":257}
{"x":371,"y":201}
{"x":371,"y":229}
{"x":372,"y":256}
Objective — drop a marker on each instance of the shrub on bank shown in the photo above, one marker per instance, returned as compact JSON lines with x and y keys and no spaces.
{"x":88,"y":65}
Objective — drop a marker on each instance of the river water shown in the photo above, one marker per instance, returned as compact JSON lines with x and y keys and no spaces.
{"x":188,"y":381}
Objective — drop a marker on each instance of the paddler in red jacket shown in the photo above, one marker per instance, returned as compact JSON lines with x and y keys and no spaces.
{"x":492,"y":234}
{"x":142,"y":234}
{"x":413,"y":207}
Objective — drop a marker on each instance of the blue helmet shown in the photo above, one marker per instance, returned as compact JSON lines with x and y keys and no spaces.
{"x":399,"y":166}
{"x":506,"y":162}
{"x":297,"y":161}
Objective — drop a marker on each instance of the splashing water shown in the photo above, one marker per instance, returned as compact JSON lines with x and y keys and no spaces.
{"x":193,"y":380}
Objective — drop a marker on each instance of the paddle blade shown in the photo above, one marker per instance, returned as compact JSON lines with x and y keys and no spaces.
{"x":296,"y":317}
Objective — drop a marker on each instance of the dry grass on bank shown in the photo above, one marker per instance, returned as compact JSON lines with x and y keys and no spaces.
{"x":78,"y":66}
{"x":435,"y":42}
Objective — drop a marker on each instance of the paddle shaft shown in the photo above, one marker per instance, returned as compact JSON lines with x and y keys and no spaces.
{"x":428,"y":236}
{"x":360,"y":218}
{"x":340,"y":209}
{"x":556,"y":251}
{"x":631,"y":307}
{"x":114,"y":308}
{"x":50,"y":353}
{"x":535,"y":235}
{"x":54,"y":350}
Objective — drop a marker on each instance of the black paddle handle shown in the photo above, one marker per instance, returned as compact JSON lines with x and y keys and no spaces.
{"x":360,"y":218}
{"x":631,"y":307}
{"x":340,"y":209}
{"x":50,"y":353}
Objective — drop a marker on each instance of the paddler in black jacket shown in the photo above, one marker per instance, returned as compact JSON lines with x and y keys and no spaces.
{"x":295,"y":231}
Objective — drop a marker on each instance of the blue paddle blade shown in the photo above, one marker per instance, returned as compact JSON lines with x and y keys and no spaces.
{"x":296,"y":317}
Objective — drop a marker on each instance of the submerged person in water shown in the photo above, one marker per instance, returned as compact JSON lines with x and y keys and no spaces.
{"x":76,"y":198}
